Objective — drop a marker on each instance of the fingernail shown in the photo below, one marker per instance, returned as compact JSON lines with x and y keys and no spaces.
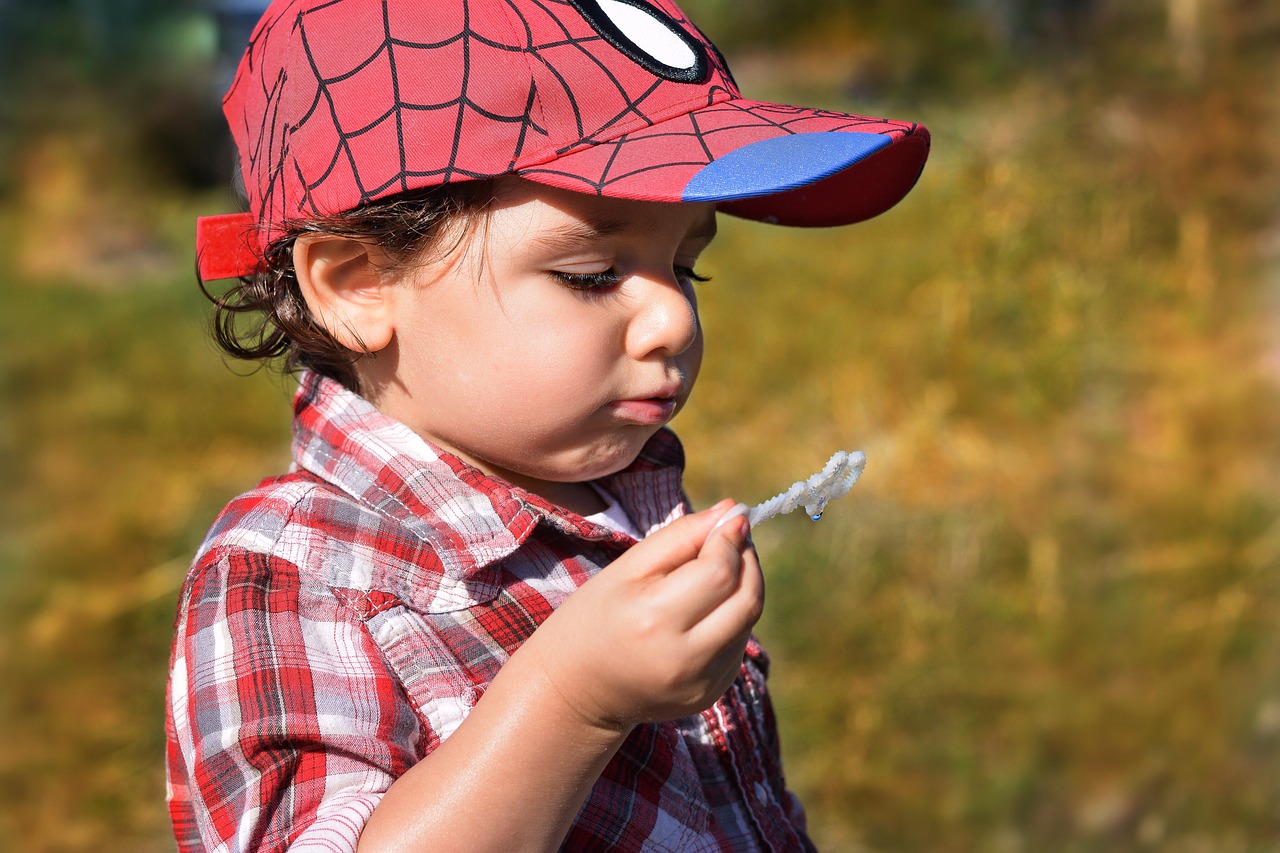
{"x":738,"y":511}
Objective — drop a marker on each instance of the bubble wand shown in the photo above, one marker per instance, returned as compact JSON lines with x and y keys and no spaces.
{"x":834,"y":481}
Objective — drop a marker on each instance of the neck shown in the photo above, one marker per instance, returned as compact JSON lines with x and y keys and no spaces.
{"x":575,"y":497}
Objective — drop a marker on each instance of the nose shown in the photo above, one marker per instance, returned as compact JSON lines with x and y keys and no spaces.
{"x":665,"y":322}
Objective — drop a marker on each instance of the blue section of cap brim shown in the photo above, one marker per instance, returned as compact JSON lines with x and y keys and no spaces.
{"x":781,"y":163}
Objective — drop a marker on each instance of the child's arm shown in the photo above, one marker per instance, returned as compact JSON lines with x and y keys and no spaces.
{"x":658,"y":634}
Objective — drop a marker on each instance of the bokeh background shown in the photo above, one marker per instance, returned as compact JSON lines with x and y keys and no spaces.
{"x":1047,"y":619}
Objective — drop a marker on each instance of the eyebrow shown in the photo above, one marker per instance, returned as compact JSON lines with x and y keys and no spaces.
{"x":590,"y":228}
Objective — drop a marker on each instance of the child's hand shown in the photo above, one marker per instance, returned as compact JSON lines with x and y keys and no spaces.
{"x":659,"y":633}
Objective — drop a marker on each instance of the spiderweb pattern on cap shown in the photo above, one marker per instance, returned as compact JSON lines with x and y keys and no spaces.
{"x":370,"y":98}
{"x":341,"y":102}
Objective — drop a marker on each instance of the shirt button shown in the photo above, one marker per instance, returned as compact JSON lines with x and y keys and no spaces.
{"x":762,"y":793}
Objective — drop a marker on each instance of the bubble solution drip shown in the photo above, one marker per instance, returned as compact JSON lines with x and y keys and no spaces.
{"x":833,"y":481}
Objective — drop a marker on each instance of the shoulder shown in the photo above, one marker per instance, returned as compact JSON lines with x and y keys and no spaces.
{"x":256,"y":520}
{"x":245,"y":553}
{"x":300,"y":530}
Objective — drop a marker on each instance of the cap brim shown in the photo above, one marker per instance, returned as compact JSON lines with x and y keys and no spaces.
{"x":769,"y":162}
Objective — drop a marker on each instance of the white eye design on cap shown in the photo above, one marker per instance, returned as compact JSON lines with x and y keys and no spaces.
{"x":649,"y":37}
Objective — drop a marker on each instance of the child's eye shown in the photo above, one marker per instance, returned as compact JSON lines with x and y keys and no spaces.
{"x":588,"y":280}
{"x":689,"y":274}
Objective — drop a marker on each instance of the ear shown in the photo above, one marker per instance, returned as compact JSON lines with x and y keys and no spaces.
{"x":345,"y":290}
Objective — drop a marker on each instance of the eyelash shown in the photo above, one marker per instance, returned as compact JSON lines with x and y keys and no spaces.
{"x":589,"y":281}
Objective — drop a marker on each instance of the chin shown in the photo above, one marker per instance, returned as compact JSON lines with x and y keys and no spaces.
{"x":608,"y":461}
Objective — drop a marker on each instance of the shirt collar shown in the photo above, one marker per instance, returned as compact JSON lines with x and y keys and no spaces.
{"x":341,"y":438}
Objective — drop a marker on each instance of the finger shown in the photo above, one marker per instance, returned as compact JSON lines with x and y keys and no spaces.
{"x":693,"y":590}
{"x":673,"y":545}
{"x":737,"y":612}
{"x":738,"y":511}
{"x":728,"y":659}
{"x":731,"y":532}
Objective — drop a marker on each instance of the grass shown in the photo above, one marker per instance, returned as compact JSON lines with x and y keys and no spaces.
{"x":1048,"y":618}
{"x":128,"y":433}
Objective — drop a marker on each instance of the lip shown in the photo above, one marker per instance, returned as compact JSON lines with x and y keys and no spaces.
{"x":648,"y":411}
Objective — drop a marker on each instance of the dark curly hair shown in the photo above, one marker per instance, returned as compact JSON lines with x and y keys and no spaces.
{"x":264,"y":316}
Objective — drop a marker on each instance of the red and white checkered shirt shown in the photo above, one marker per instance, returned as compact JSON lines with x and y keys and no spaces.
{"x":340,"y":621}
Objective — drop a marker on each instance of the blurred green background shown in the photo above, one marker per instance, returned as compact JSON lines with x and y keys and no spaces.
{"x":1048,"y":618}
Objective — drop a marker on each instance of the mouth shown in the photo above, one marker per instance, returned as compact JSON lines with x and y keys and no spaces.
{"x":648,"y":411}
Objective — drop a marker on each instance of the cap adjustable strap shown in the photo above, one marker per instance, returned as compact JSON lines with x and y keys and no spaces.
{"x":227,"y":246}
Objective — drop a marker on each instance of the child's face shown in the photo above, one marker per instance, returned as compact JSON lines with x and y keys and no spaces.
{"x":554,"y":341}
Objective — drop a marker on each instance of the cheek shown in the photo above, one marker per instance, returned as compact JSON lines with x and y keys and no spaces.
{"x":535,"y":366}
{"x":522,"y":349}
{"x":562,"y":369}
{"x":567,"y":341}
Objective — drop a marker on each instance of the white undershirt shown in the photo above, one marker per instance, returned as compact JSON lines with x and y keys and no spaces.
{"x":613,"y":516}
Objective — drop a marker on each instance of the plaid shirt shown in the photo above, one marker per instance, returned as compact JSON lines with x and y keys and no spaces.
{"x":340,"y":621}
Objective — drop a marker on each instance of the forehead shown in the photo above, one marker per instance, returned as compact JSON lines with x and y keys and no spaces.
{"x":550,"y":212}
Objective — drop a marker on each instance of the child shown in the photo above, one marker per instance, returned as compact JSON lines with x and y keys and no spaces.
{"x":477,"y":613}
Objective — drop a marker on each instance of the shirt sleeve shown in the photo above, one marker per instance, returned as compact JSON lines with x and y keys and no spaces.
{"x":285,"y":727}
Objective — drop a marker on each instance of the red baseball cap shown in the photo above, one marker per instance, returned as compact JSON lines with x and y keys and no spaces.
{"x":340,"y":102}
